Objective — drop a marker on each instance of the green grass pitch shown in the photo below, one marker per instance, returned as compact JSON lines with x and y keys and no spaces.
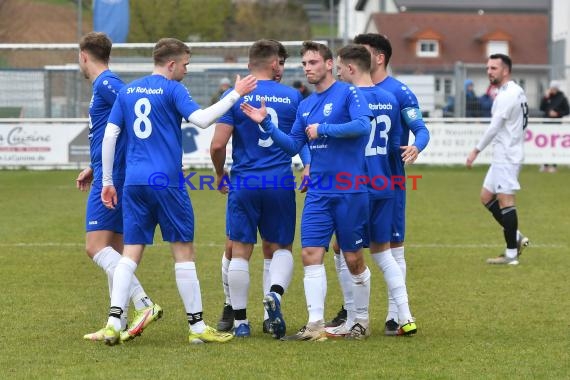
{"x":475,"y":321}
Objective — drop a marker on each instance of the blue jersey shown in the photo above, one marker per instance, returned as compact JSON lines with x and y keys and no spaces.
{"x":335,"y":162}
{"x":255,"y":155}
{"x":105,"y":90}
{"x":410,"y":116}
{"x":150,"y":111}
{"x":385,"y":134}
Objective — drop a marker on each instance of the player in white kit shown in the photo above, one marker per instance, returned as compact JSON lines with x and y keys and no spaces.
{"x":509,"y":117}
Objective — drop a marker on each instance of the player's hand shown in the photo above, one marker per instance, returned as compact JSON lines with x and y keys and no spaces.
{"x":222,"y":183}
{"x":255,"y":114}
{"x":410,"y":154}
{"x":305,"y":179}
{"x":246,"y":85}
{"x":312,"y":132}
{"x":109,"y":197}
{"x":84,"y":179}
{"x":471,"y":158}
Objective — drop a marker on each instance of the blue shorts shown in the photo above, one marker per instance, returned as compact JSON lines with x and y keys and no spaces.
{"x":145,"y":207}
{"x":324,"y":214}
{"x":272,"y":211}
{"x":100,"y":218}
{"x":380,"y":222}
{"x":399,"y":217}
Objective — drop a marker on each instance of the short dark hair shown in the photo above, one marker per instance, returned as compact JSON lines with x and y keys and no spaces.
{"x":262,"y":51}
{"x":98,"y":45}
{"x":379,"y":42}
{"x":504,"y":58}
{"x":168,"y":49}
{"x":322,"y":49}
{"x":283,"y":53}
{"x":356,"y":54}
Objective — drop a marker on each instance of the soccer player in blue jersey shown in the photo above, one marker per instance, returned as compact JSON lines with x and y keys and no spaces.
{"x":226,"y":321}
{"x":261,"y":192}
{"x":150,"y":111}
{"x":104,"y":237}
{"x":353,"y":66}
{"x":411,"y":117}
{"x":335,"y":121}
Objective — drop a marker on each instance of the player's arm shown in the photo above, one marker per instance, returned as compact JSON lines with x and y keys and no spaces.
{"x":290,"y":144}
{"x":84,"y":179}
{"x":412,"y":117}
{"x":203,"y":118}
{"x":354,"y":128}
{"x":108,"y":193}
{"x":497,"y":122}
{"x":218,"y":145}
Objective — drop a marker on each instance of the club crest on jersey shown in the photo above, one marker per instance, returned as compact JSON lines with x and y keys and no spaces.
{"x":412,"y":113}
{"x":327,"y":109}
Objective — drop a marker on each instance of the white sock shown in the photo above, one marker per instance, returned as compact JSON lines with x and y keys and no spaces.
{"x":281,"y":269}
{"x":345,"y":280}
{"x":189,"y":290}
{"x":395,"y":284}
{"x":361,"y":292}
{"x":315,"y":291}
{"x":238,"y":280}
{"x":266,"y":282}
{"x":107,"y":259}
{"x":226,"y":286}
{"x":122,"y":279}
{"x":398,"y":254}
{"x":511,"y":253}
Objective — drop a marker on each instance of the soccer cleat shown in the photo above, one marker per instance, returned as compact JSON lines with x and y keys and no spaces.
{"x":111,"y":336}
{"x":337,"y":332}
{"x":408,"y":328}
{"x":314,"y":331}
{"x":522,"y":243}
{"x":142,"y":319}
{"x":502,"y":260}
{"x":209,"y":335}
{"x":267,"y":327}
{"x":359,"y":331}
{"x":273,"y":306}
{"x":243,"y":331}
{"x":391,"y":328}
{"x":97,"y":336}
{"x":226,"y":322}
{"x":339,"y":319}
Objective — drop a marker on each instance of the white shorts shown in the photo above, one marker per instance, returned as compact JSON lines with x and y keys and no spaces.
{"x":502,"y":178}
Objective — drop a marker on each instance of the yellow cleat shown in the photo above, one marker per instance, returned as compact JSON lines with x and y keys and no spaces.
{"x":209,"y":335}
{"x":408,"y":328}
{"x":97,"y":336}
{"x":111,"y":336}
{"x":142,"y":319}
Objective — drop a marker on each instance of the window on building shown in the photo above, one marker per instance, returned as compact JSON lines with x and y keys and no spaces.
{"x":497,"y":47}
{"x":437,"y":85}
{"x":427,"y":48}
{"x":447,"y":87}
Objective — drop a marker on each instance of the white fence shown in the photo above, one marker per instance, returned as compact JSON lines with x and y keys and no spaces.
{"x":63,"y":143}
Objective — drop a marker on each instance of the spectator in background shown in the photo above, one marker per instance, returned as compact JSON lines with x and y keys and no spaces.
{"x":486,"y":100}
{"x":472,"y":104}
{"x":225,"y":83}
{"x":302,"y":88}
{"x":554,"y":104}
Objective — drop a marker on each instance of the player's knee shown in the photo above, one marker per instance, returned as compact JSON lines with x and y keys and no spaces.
{"x":355,"y":263}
